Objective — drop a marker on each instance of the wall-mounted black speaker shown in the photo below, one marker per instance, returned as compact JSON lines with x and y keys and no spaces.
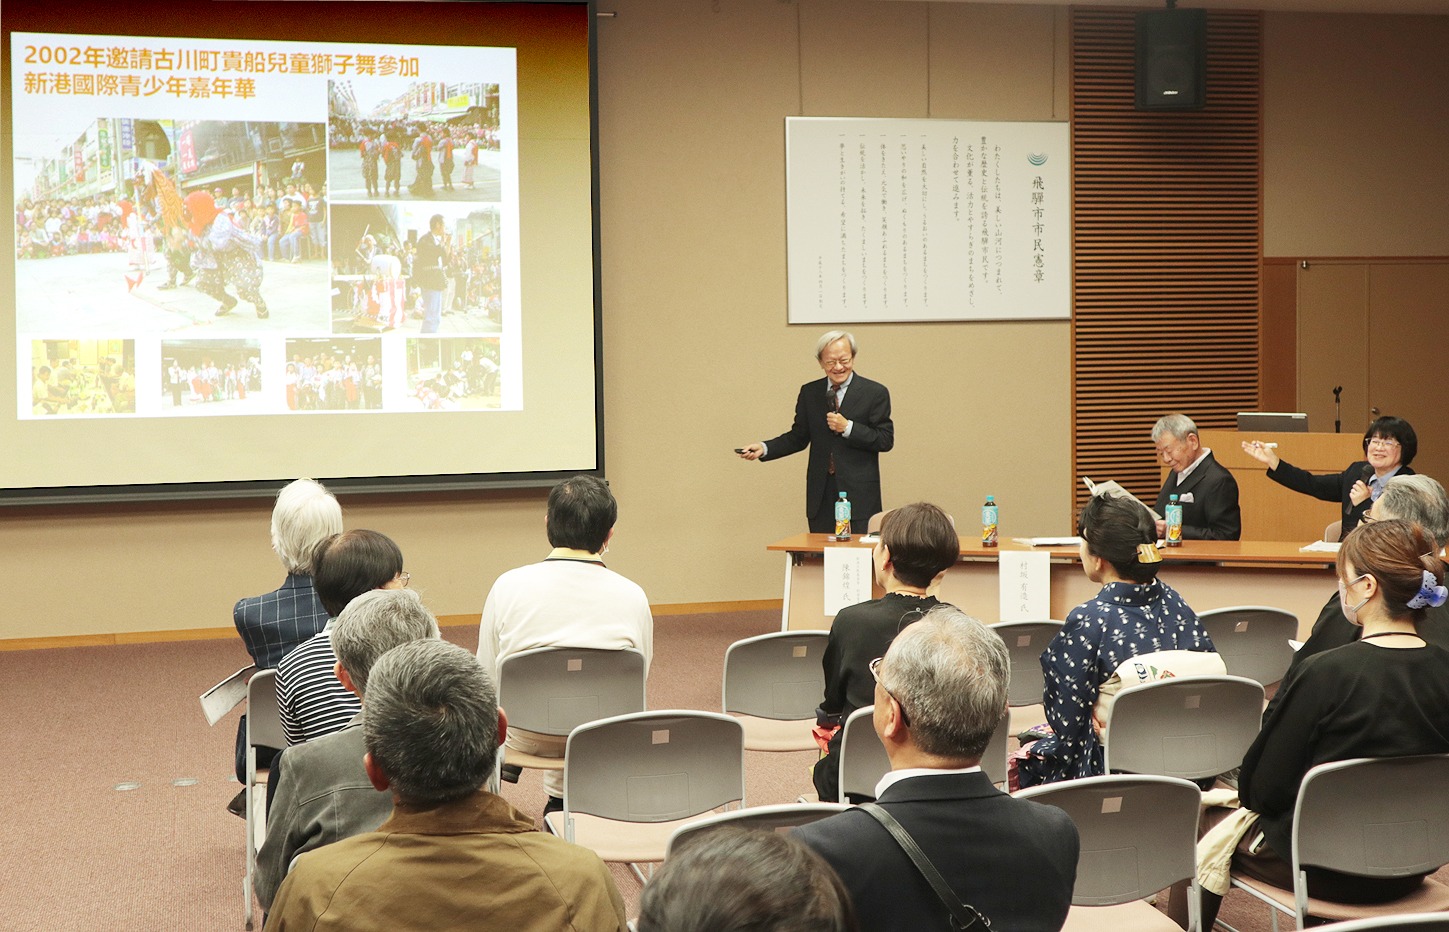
{"x":1171,"y":59}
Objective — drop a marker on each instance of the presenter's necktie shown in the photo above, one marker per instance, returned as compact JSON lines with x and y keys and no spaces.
{"x":834,"y":401}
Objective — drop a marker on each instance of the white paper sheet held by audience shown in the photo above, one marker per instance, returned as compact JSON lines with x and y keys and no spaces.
{"x":1026,"y":585}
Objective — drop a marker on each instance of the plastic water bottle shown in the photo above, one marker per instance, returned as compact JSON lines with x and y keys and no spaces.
{"x":989,"y":515}
{"x":1174,"y":522}
{"x":842,"y":518}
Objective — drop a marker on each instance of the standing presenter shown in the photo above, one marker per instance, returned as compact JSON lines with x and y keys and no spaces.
{"x":846,"y":422}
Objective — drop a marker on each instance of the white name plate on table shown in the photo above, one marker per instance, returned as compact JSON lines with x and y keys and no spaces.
{"x":847,"y":577}
{"x":1026,"y":585}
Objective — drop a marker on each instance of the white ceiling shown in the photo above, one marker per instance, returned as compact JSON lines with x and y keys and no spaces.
{"x":1431,"y":7}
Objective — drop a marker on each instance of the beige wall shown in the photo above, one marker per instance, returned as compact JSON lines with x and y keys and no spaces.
{"x":1355,"y":131}
{"x":698,"y":357}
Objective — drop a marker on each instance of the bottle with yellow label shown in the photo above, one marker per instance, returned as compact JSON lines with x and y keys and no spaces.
{"x":989,"y":515}
{"x":1174,"y":521}
{"x":842,"y":518}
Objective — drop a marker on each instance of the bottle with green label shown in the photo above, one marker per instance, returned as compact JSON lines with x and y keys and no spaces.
{"x":989,"y":515}
{"x":1174,"y":521}
{"x":842,"y":518}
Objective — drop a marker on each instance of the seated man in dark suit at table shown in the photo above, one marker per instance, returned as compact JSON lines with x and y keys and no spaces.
{"x":940,"y":693}
{"x":1415,"y":498}
{"x":1207,"y":492}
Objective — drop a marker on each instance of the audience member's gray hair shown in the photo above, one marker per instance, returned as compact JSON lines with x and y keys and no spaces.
{"x":829,"y":337}
{"x":432,"y":721}
{"x":1418,"y":499}
{"x":949,"y":672}
{"x":305,"y":515}
{"x":1178,"y":425}
{"x":373,"y":624}
{"x":732,"y":878}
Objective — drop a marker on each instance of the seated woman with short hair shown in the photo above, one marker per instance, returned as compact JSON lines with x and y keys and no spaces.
{"x":1135,"y":617}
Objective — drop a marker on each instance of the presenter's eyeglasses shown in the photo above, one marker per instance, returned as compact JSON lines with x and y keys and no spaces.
{"x":842,"y":362}
{"x":873,"y":666}
{"x":1383,"y":443}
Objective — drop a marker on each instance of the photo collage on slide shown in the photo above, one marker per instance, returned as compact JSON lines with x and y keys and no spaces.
{"x":335,"y":243}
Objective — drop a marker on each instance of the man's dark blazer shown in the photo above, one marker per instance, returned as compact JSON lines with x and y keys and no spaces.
{"x":1333,"y":629}
{"x":1330,"y":488}
{"x":867,"y":406}
{"x":272,"y":625}
{"x":1213,"y":512}
{"x":1012,"y":859}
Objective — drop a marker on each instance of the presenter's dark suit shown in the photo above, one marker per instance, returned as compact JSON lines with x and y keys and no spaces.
{"x":1330,"y":488}
{"x":1012,"y":859}
{"x":1213,"y":512}
{"x":867,"y":406}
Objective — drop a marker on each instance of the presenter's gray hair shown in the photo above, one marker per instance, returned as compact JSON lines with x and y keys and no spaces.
{"x":949,"y":672}
{"x":829,"y":337}
{"x":431,"y":721}
{"x":1421,"y":500}
{"x":373,"y":624}
{"x":305,"y":515}
{"x":1178,"y":425}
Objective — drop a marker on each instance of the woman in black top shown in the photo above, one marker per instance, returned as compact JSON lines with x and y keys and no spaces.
{"x":1389,"y":446}
{"x":918,"y":543}
{"x":1384,"y":695}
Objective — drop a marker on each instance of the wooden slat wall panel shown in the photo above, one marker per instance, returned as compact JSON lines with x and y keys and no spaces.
{"x":1167,"y":246}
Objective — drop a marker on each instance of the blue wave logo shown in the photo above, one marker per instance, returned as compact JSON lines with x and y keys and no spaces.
{"x":1037,"y":158}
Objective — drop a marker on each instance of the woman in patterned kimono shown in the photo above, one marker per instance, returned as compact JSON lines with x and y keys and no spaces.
{"x":225,"y":255}
{"x":1133,"y":616}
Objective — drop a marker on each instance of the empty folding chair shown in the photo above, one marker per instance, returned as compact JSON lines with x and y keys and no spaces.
{"x":772,"y":818}
{"x":631,"y":780}
{"x":1253,"y":640}
{"x":772,"y":684}
{"x":1025,"y":641}
{"x":1139,"y":836}
{"x":863,"y":758}
{"x":1190,"y":726}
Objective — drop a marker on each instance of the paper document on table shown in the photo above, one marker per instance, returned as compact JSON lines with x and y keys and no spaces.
{"x":226,"y":695}
{"x":1320,"y":546}
{"x":1026,"y":585}
{"x":1049,"y":541}
{"x":1112,"y":488}
{"x":847,"y":577}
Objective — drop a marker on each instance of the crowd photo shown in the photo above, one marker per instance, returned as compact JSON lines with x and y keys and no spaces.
{"x":423,"y":269}
{"x":211,"y":376}
{"x":334,"y":374}
{"x":453,"y":374}
{"x":392,"y":139}
{"x":171,"y":225}
{"x":83,"y":377}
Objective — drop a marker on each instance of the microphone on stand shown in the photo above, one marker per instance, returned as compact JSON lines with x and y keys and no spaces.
{"x":1337,"y":420}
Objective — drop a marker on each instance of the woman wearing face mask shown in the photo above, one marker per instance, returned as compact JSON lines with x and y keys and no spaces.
{"x":1384,"y":695}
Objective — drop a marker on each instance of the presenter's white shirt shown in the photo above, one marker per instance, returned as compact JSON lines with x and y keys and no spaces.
{"x":563,"y":603}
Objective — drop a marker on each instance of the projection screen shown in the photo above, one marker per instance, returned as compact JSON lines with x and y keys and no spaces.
{"x":254,"y":241}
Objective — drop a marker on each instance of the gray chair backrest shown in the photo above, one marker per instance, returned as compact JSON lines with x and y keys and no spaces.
{"x":1189,"y":727}
{"x":863,"y":758}
{"x":1025,"y":640}
{"x":1253,"y":640}
{"x":1138,"y":833}
{"x":1412,"y":922}
{"x":1380,"y":817}
{"x":993,"y":759}
{"x":264,"y":720}
{"x":776,"y":675}
{"x":553,"y":690}
{"x":655,"y":766}
{"x":769,"y":818}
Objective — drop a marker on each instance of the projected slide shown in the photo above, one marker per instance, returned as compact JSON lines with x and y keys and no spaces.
{"x":283,"y":218}
{"x":255,"y":241}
